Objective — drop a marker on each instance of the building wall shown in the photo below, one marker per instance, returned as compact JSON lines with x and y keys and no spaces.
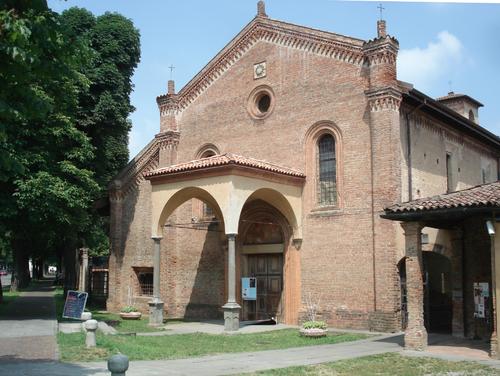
{"x":348,"y":256}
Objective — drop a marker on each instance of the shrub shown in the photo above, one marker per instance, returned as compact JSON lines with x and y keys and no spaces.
{"x":129,"y":309}
{"x":314,"y":325}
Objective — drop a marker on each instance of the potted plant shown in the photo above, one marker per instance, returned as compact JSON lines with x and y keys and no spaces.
{"x":130,"y":313}
{"x":313,"y":328}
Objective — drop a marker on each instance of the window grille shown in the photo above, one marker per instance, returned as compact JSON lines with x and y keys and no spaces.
{"x":146,"y":283}
{"x":208,"y":212}
{"x":327,"y":179}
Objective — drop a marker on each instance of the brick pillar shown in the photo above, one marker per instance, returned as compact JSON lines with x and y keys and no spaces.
{"x":495,"y":285}
{"x":415,"y":333}
{"x":457,"y":323}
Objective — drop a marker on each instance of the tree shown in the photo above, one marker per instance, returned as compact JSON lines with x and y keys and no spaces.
{"x":105,"y":106}
{"x":46,"y":187}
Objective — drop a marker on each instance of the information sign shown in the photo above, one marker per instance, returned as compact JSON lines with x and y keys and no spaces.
{"x":75,"y":304}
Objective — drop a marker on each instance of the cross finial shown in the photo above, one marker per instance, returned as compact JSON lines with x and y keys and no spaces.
{"x":171,"y":67}
{"x":380,"y":8}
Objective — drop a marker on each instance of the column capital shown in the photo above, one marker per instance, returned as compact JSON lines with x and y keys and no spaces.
{"x":157,"y":238}
{"x":231,"y":236}
{"x":412,"y":228}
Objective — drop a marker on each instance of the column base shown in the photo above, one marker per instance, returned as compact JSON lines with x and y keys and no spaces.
{"x":494,"y":346}
{"x":156,"y":312}
{"x":231,"y":316}
{"x":416,"y":339}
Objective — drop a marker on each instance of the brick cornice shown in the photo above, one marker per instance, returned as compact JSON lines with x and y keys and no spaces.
{"x":345,"y":49}
{"x":383,"y":50}
{"x":132,"y":175}
{"x":168,"y":139}
{"x":382,"y":99}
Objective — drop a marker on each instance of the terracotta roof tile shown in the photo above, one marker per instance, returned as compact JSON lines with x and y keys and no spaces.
{"x":485,"y":195}
{"x":224,"y":160}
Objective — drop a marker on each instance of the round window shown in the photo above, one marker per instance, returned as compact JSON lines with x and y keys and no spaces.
{"x":261,"y":102}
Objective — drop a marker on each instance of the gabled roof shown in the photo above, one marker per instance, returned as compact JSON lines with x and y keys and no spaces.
{"x":480,"y":196}
{"x":319,"y":42}
{"x":227,"y":159}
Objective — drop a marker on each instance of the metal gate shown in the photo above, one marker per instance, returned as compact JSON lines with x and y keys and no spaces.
{"x":98,"y":281}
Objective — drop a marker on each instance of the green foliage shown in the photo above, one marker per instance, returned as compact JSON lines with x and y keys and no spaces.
{"x":45,"y":183}
{"x":105,"y":106}
{"x":129,"y":309}
{"x":314,"y":325}
{"x":65,"y":83}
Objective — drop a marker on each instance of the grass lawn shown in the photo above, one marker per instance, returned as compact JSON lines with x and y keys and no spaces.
{"x":72,"y":346}
{"x":8,"y":297}
{"x":386,"y":365}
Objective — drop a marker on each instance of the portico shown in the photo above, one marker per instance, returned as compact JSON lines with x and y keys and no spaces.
{"x":227,"y":183}
{"x":471,"y":218}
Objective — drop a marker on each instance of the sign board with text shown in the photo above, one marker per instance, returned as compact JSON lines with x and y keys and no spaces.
{"x":75,"y":304}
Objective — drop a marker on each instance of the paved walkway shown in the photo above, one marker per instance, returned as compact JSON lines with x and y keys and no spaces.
{"x":225,"y":364}
{"x":28,"y":330}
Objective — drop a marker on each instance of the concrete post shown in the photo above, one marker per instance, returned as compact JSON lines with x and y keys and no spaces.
{"x":118,"y":365}
{"x":457,"y":323}
{"x":85,"y":317}
{"x":156,"y":304}
{"x":91,"y":327}
{"x":84,"y":269}
{"x":415,"y":333}
{"x":231,"y":308}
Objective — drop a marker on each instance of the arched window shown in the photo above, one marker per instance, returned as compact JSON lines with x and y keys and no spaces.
{"x":471,"y":115}
{"x":327,"y":171}
{"x":208,"y":212}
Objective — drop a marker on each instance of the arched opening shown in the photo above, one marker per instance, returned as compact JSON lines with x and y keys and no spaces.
{"x":194,"y":254}
{"x":471,"y":115}
{"x":437,"y":292}
{"x":266,"y":254}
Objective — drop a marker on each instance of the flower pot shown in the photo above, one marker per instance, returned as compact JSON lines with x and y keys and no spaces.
{"x":130,"y":315}
{"x":313,"y":332}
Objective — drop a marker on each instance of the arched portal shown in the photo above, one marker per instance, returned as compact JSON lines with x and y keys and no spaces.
{"x":265,"y":252}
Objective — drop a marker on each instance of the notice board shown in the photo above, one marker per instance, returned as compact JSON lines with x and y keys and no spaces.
{"x":75,"y":304}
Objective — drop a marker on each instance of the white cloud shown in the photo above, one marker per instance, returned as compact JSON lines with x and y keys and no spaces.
{"x":425,"y":67}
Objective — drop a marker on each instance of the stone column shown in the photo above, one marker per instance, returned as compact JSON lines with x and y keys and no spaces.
{"x":156,"y":304}
{"x":415,"y":333}
{"x":457,"y":295}
{"x":231,"y":308}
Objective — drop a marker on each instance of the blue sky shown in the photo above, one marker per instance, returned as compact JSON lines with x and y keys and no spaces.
{"x":439,"y":43}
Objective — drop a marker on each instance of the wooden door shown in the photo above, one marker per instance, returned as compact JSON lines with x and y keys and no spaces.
{"x":268,"y":269}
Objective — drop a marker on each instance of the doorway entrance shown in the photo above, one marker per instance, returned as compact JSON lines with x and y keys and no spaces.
{"x":268,"y":270}
{"x":437,"y":292}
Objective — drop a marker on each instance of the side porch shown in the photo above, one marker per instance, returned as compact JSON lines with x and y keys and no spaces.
{"x":451,"y":292}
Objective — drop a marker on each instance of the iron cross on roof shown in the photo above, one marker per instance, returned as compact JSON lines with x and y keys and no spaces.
{"x":381,"y":8}
{"x":171,"y":67}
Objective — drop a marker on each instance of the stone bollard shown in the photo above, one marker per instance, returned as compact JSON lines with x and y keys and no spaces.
{"x":118,"y":364}
{"x":90,"y":327}
{"x":85,"y":317}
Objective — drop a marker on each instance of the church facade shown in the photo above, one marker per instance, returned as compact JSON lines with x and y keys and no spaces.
{"x":275,"y":162}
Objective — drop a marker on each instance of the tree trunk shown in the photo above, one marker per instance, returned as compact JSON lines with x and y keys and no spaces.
{"x":21,"y":274}
{"x":1,"y":291}
{"x":69,"y":261}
